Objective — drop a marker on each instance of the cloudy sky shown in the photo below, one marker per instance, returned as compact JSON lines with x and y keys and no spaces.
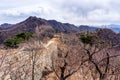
{"x":90,"y":12}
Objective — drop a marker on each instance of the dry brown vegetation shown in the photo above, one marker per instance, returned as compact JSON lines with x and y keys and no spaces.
{"x":63,"y":57}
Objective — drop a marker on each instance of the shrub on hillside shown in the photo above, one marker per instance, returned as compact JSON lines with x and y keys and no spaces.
{"x":89,"y":38}
{"x":11,"y":42}
{"x":24,"y":36}
{"x":19,"y":38}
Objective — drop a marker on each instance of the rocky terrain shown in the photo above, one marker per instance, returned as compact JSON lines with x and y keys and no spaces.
{"x":16,"y":64}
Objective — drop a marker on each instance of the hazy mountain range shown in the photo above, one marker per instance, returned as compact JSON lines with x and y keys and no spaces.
{"x":67,"y":26}
{"x":59,"y":26}
{"x":114,"y":27}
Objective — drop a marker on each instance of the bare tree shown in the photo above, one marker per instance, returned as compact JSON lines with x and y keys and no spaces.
{"x":67,"y":62}
{"x":34,"y":49}
{"x":98,"y":55}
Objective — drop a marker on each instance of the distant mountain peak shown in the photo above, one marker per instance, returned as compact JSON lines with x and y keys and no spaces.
{"x":114,"y":27}
{"x":35,"y":20}
{"x":88,"y":28}
{"x":32,"y":18}
{"x":5,"y":26}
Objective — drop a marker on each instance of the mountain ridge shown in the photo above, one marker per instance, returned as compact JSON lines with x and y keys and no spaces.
{"x":42,"y":27}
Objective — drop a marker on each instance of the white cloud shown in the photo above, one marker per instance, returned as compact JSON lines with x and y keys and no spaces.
{"x":72,"y":11}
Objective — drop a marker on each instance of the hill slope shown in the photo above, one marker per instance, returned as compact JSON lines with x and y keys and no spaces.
{"x":33,"y":24}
